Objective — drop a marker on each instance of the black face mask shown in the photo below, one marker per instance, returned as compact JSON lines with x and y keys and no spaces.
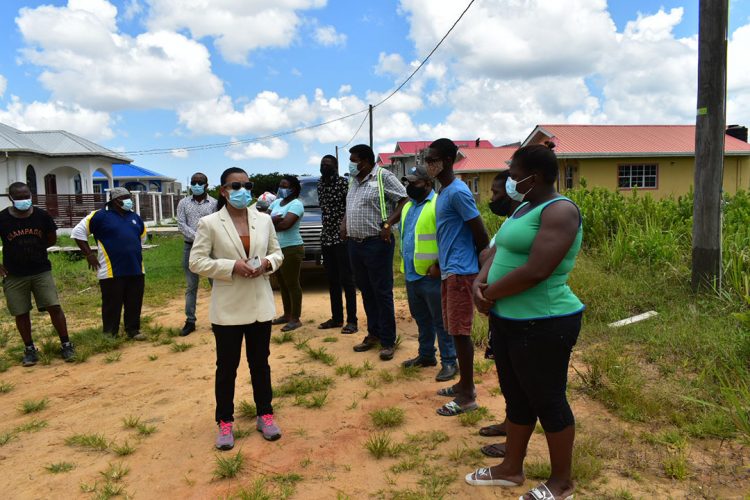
{"x":416,"y":193}
{"x":501,"y":207}
{"x":328,"y":171}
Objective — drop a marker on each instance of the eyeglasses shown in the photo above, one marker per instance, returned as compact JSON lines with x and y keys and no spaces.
{"x":237,"y":185}
{"x":431,"y":160}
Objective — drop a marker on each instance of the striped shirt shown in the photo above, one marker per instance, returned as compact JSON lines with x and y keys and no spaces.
{"x":190,"y":211}
{"x":363,"y":215}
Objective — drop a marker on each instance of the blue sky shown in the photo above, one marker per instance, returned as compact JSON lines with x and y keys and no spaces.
{"x":142,"y":74}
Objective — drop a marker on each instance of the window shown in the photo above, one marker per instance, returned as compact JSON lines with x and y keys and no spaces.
{"x":475,"y":185}
{"x":637,"y":176}
{"x":77,"y":184}
{"x":569,"y":176}
{"x":31,"y":179}
{"x":97,"y":188}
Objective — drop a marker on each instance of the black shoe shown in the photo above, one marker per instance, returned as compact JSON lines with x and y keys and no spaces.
{"x":30,"y":356}
{"x":419,"y":361}
{"x":386,"y":353}
{"x":330,"y":324}
{"x":447,"y":372}
{"x":366,"y":344}
{"x":136,"y":336}
{"x":187,"y":329}
{"x":68,"y":352}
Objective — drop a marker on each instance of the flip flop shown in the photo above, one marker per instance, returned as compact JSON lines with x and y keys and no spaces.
{"x":450,"y":392}
{"x":330,"y":324}
{"x":473,"y":479}
{"x":541,"y":492}
{"x":291,"y":326}
{"x":492,"y":431}
{"x":494,"y":450}
{"x":349,"y":328}
{"x":451,"y":408}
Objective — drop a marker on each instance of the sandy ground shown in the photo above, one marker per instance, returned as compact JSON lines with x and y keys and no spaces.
{"x":324,"y":446}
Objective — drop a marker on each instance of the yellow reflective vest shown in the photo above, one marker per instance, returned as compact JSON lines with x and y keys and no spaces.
{"x":425,"y":236}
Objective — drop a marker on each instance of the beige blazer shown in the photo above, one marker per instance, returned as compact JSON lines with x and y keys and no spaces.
{"x":236,"y":300}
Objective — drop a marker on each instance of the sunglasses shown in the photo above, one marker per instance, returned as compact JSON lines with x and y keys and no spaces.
{"x":431,"y":160}
{"x":238,"y":185}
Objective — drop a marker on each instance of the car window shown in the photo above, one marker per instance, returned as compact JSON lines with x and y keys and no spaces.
{"x":309,"y":194}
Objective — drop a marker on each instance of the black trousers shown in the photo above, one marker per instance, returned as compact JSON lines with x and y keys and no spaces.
{"x":119,"y":292}
{"x":532,"y":359}
{"x":339,"y":270}
{"x":228,"y":352}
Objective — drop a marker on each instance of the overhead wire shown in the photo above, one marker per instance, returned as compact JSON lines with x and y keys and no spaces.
{"x":217,"y":145}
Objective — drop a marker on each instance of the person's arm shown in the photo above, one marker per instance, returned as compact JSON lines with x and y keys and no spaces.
{"x":385,"y":232}
{"x":558,"y":230}
{"x":182,"y":225}
{"x":480,"y":283}
{"x":481,"y":240}
{"x":50,"y":231}
{"x":291,"y":217}
{"x":274,"y":257}
{"x":201,"y":262}
{"x":80,"y":235}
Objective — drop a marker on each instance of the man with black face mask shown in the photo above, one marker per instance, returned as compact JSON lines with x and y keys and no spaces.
{"x":332,"y":189}
{"x":419,"y":264}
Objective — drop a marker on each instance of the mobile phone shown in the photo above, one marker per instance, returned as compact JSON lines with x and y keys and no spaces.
{"x":254,"y":262}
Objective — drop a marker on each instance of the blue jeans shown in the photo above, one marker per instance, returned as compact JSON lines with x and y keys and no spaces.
{"x":372,"y":263}
{"x":192,"y":279}
{"x":425,"y":307}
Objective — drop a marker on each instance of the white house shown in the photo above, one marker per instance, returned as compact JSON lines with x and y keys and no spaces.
{"x":52,"y":161}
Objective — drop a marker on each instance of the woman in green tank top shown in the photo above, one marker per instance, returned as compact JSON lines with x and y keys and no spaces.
{"x":535,"y":319}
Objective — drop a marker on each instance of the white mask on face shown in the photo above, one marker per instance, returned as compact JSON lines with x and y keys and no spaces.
{"x":510,"y":188}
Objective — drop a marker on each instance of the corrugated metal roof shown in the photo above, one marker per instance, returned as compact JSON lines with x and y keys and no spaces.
{"x":52,"y":143}
{"x":625,"y":140}
{"x":483,"y":159}
{"x":413,"y":147}
{"x":130,"y":170}
{"x":384,"y":158}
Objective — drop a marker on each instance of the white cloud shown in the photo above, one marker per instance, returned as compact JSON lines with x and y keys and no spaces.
{"x":180,"y":153}
{"x":738,"y":77}
{"x":390,"y":64}
{"x":93,"y":125}
{"x":329,"y":37}
{"x":236,"y":26}
{"x":314,"y":159}
{"x":345,"y":89}
{"x":273,"y":149}
{"x":132,"y":9}
{"x":3,"y":85}
{"x":89,"y":62}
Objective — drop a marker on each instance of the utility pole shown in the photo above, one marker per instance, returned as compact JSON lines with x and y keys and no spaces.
{"x":370,"y":125}
{"x":710,"y":125}
{"x":337,"y":155}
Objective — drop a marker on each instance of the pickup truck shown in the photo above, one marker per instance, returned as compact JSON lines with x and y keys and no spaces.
{"x":311,"y":225}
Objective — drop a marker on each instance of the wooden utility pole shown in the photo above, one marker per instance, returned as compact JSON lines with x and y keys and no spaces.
{"x":710,"y":125}
{"x":370,"y":125}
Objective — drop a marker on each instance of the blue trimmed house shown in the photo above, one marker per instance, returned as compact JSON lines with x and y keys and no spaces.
{"x":136,"y":178}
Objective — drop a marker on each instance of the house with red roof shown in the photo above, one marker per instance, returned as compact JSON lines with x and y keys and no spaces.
{"x":406,"y":154}
{"x":477,"y":167}
{"x":657,"y":159}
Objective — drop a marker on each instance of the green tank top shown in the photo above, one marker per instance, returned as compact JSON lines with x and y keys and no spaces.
{"x":548,"y":299}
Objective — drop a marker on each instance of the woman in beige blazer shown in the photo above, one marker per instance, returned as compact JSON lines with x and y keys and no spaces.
{"x":237,"y":247}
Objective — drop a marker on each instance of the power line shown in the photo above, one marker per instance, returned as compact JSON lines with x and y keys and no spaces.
{"x":217,"y":145}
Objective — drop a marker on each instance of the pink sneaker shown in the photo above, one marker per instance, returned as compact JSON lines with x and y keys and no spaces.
{"x":225,"y":439}
{"x":270,"y":430}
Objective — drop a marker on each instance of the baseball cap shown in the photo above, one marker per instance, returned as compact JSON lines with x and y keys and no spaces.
{"x":417,"y":173}
{"x":118,"y":192}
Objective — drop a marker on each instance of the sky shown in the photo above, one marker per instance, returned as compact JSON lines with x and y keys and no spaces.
{"x":136,"y":75}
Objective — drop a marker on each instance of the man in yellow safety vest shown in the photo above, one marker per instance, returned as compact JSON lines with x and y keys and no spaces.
{"x":419,"y":253}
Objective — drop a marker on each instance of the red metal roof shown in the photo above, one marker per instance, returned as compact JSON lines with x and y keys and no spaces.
{"x":414,"y":147}
{"x":625,"y":140}
{"x":384,"y":158}
{"x":483,"y":159}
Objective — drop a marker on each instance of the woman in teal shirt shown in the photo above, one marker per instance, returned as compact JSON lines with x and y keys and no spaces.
{"x":286,"y":214}
{"x":535,"y":319}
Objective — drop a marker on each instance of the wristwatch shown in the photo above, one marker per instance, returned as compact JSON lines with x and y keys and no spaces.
{"x":385,"y":225}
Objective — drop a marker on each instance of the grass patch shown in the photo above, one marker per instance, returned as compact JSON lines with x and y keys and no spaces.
{"x":474,"y":417}
{"x":115,"y":472}
{"x":122,"y":450}
{"x":131,"y":421}
{"x":6,"y":387}
{"x":676,"y":466}
{"x":409,"y":463}
{"x":321,"y":354}
{"x":313,"y":401}
{"x":59,"y":467}
{"x":33,"y":426}
{"x":247,"y":410}
{"x":93,"y":442}
{"x":145,"y":430}
{"x":153,"y":357}
{"x":381,"y":445}
{"x":427,"y":440}
{"x":482,"y":366}
{"x":279,"y":487}
{"x":33,"y":406}
{"x":300,"y":384}
{"x":113,"y":357}
{"x":387,"y":417}
{"x":7,"y":437}
{"x":228,"y":466}
{"x":330,"y":339}
{"x":181,"y":346}
{"x":240,"y":433}
{"x":353,"y":371}
{"x":409,"y":373}
{"x":283,"y":338}
{"x":465,"y":456}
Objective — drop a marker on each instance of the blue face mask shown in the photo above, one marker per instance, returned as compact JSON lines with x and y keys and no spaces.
{"x":22,"y":205}
{"x":198,"y":189}
{"x":283,"y":192}
{"x":127,"y":205}
{"x":353,"y":168}
{"x":240,"y":198}
{"x":510,"y":188}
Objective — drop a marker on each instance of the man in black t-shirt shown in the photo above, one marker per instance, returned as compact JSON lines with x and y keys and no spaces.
{"x":26,"y":233}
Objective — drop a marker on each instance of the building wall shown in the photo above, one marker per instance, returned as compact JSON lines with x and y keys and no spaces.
{"x":482,"y":181}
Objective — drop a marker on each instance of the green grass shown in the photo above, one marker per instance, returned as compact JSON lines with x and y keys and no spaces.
{"x":247,"y":410}
{"x":113,"y":357}
{"x":466,"y":456}
{"x":387,"y":417}
{"x":330,"y":339}
{"x":93,"y":442}
{"x":427,"y":440}
{"x":145,"y":430}
{"x":33,"y":406}
{"x":300,"y":384}
{"x":131,"y":421}
{"x":153,"y":357}
{"x":33,"y":426}
{"x":7,"y":437}
{"x":482,"y":366}
{"x":313,"y":401}
{"x":321,"y":354}
{"x":353,"y":371}
{"x":283,"y":338}
{"x":115,"y":472}
{"x":473,"y":417}
{"x":381,"y":445}
{"x":228,"y":466}
{"x":60,"y":467}
{"x":122,"y":450}
{"x":181,"y":346}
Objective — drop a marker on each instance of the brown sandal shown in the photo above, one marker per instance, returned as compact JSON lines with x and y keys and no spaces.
{"x":493,"y":430}
{"x":494,"y":450}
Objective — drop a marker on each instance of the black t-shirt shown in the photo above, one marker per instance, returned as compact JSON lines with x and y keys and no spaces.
{"x":25,"y":242}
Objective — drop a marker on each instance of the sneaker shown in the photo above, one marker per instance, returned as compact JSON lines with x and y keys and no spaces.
{"x":447,"y":372}
{"x":367,"y":344}
{"x":30,"y":356}
{"x":386,"y":353}
{"x":266,"y":425}
{"x":225,"y":439}
{"x":67,"y":351}
{"x":419,"y":361}
{"x":187,"y":329}
{"x":136,"y":336}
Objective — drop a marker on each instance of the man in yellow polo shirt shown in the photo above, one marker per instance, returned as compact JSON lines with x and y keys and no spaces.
{"x":419,"y":252}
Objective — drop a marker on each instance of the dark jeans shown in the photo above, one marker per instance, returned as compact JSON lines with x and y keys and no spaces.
{"x":118,"y":293}
{"x":192,"y":279}
{"x":288,"y":276}
{"x":228,"y":352}
{"x":426,"y":308}
{"x":339,"y":270}
{"x":532,"y":364}
{"x":372,"y":261}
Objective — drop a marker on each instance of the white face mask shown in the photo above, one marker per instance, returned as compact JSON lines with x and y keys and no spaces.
{"x":353,"y":168}
{"x":510,"y":188}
